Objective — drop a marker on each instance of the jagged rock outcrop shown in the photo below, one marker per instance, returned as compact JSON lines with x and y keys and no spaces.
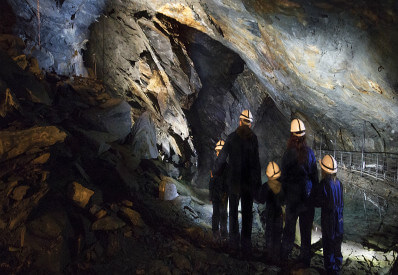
{"x":56,"y":31}
{"x":331,"y":63}
{"x":152,"y":72}
{"x":143,"y":138}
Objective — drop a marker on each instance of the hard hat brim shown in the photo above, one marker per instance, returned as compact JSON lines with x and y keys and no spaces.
{"x":327,"y":169}
{"x":274,"y":177}
{"x":218,"y":148}
{"x":299,"y":134}
{"x":245,"y":120}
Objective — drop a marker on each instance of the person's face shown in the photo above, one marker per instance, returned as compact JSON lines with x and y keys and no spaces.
{"x":241,"y":123}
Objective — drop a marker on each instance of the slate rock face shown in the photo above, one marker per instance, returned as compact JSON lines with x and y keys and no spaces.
{"x":330,"y":63}
{"x":143,"y":136}
{"x":152,"y":72}
{"x":64,"y":29}
{"x":115,"y":120}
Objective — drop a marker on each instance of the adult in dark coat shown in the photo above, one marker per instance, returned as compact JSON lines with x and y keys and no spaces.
{"x":331,"y":216}
{"x":299,"y":174}
{"x":244,"y":179}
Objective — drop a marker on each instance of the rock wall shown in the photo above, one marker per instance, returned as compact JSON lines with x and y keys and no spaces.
{"x":331,"y":63}
{"x":55,"y":32}
{"x":141,"y":63}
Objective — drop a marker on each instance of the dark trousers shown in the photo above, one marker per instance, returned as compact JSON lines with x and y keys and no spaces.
{"x":247,"y":220}
{"x":273,"y":231}
{"x":332,"y":257}
{"x":306,"y":218}
{"x":220,"y":214}
{"x":331,"y":241}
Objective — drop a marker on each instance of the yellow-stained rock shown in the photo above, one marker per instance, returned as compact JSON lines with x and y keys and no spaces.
{"x":127,"y":203}
{"x":7,"y":103}
{"x":19,"y":192}
{"x":79,"y":194}
{"x":34,"y":67}
{"x":133,"y":216}
{"x":107,"y":224}
{"x":21,"y":61}
{"x":42,"y":159}
{"x":15,"y":143}
{"x":100,"y":214}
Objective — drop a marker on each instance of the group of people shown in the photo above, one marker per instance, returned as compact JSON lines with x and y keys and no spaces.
{"x":295,"y":188}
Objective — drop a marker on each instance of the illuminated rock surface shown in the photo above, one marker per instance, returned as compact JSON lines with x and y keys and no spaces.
{"x":167,"y":81}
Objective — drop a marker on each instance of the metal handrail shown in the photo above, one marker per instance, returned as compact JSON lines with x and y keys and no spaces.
{"x":381,"y":166}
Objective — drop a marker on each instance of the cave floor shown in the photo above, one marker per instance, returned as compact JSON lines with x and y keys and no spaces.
{"x":185,"y":226}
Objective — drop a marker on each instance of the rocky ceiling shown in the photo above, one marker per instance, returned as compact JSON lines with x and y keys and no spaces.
{"x":331,"y":63}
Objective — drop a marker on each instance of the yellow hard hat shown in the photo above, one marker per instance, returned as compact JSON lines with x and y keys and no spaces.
{"x":329,"y":164}
{"x":246,"y":117}
{"x":219,"y":145}
{"x":297,"y":127}
{"x":273,"y":172}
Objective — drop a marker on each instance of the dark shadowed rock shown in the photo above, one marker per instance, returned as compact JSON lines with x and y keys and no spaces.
{"x":108,"y":223}
{"x":158,"y":267}
{"x":181,"y":262}
{"x":24,"y":84}
{"x":11,"y":44}
{"x":133,"y":216}
{"x":19,"y":192}
{"x":115,"y":120}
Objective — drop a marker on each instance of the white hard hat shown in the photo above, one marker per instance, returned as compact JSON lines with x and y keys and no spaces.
{"x":273,"y":171}
{"x":297,"y":127}
{"x":328,"y":164}
{"x":246,"y":117}
{"x":219,"y":145}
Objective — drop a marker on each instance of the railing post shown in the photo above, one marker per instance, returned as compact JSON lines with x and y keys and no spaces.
{"x":377,"y":164}
{"x":334,"y":148}
{"x":396,"y":167}
{"x":350,"y":160}
{"x":320,"y":148}
{"x":341,"y":157}
{"x":363,"y":145}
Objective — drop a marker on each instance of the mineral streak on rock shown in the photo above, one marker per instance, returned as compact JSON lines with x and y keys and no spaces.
{"x":15,"y":143}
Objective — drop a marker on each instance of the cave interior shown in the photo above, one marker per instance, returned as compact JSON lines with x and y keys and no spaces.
{"x":110,"y":112}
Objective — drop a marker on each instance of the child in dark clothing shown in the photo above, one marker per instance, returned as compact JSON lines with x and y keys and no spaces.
{"x":271,"y":192}
{"x":219,"y":199}
{"x":331,"y":216}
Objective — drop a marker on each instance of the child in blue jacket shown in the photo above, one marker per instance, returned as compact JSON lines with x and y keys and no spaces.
{"x":331,"y":216}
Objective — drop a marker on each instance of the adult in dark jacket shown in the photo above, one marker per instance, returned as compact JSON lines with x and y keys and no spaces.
{"x":244,"y":178}
{"x":299,"y":174}
{"x":218,"y":191}
{"x":271,"y":193}
{"x":331,"y":216}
